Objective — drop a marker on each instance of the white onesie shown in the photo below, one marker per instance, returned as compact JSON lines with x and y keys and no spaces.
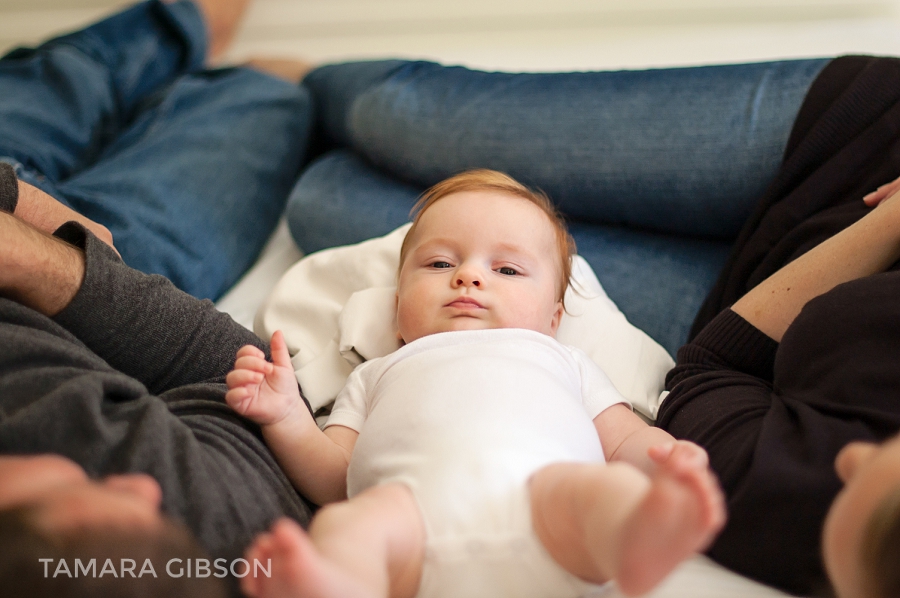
{"x":464,"y":419}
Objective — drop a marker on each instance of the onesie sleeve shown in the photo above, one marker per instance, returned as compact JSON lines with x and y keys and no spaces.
{"x":351,"y":407}
{"x":597,"y":391}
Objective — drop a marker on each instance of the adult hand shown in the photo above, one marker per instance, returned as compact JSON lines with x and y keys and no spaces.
{"x":878,"y":195}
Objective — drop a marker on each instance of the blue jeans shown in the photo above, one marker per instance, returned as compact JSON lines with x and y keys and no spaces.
{"x":189,"y":169}
{"x":656,"y":170}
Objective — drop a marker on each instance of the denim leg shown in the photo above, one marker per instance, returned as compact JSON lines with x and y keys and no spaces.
{"x":657,"y":280}
{"x":64,"y":101}
{"x":341,"y":200}
{"x":194,"y":187}
{"x":684,"y":150}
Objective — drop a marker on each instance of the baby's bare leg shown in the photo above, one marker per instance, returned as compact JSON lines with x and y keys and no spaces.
{"x":603,"y":522}
{"x":372,"y":546}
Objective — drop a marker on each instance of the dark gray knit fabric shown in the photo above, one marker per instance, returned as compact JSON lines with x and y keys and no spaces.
{"x":9,"y":188}
{"x":129,"y":377}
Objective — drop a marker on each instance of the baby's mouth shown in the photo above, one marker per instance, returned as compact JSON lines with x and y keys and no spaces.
{"x":465,"y":303}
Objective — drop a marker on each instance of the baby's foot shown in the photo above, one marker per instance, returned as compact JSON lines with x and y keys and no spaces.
{"x":680,"y":515}
{"x":298,"y":570}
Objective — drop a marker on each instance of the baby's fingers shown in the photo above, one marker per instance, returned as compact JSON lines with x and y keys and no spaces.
{"x":240,"y":378}
{"x":250,"y":350}
{"x":253,"y":363}
{"x":239,"y":398}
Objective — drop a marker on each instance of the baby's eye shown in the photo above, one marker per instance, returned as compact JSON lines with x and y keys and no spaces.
{"x":440,"y":264}
{"x":507,"y":271}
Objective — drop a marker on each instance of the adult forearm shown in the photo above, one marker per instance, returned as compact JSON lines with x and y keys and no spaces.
{"x":867,"y":247}
{"x":146,"y":328}
{"x":37,"y":269}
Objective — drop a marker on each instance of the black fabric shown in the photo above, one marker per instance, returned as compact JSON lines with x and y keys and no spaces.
{"x":774,"y":417}
{"x":9,"y":188}
{"x":772,"y":440}
{"x":129,"y":377}
{"x":844,"y":144}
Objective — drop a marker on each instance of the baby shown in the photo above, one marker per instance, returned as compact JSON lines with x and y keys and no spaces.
{"x":475,"y":456}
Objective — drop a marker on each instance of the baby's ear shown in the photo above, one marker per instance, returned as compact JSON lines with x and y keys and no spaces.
{"x":557,"y":317}
{"x":396,"y":307}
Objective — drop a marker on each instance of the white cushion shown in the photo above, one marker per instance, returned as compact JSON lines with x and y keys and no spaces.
{"x":336,"y":309}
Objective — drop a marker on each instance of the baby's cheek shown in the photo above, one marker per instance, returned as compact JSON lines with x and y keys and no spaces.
{"x":410,"y":322}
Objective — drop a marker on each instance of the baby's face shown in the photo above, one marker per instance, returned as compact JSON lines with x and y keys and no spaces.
{"x":480,"y":260}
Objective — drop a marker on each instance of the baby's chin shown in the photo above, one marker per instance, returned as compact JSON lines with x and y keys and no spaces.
{"x":459,"y":324}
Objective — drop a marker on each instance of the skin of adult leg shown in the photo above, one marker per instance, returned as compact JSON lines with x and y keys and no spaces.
{"x":64,"y":100}
{"x":37,"y":269}
{"x":222,"y":19}
{"x":370,"y":545}
{"x":289,"y":69}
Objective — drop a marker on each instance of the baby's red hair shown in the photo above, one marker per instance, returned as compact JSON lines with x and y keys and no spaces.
{"x":491,"y":180}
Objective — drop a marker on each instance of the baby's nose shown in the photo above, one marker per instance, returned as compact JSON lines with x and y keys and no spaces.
{"x":474,"y":282}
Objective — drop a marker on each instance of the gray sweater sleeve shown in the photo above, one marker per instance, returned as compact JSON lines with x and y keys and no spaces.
{"x":9,"y":188}
{"x":59,"y":394}
{"x":143,"y":326}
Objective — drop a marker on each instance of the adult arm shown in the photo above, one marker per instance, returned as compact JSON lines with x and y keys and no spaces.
{"x":37,"y":270}
{"x":140,"y":324}
{"x":57,"y":396}
{"x":145,"y":327}
{"x":866,"y":247}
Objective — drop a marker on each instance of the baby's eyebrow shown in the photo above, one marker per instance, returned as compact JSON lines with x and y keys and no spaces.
{"x":519,"y":250}
{"x":429,"y":244}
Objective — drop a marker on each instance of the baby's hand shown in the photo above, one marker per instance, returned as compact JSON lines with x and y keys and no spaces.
{"x":261,"y":391}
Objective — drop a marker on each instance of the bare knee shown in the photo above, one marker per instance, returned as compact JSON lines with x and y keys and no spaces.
{"x":576,"y":506}
{"x":384,"y":524}
{"x":386,"y":510}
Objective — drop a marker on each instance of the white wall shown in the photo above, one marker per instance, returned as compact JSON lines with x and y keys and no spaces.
{"x":525,"y":34}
